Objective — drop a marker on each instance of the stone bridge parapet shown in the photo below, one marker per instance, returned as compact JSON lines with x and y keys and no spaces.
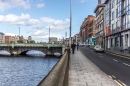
{"x":19,"y":49}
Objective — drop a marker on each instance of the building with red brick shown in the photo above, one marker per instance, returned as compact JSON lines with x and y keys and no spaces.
{"x":87,"y":28}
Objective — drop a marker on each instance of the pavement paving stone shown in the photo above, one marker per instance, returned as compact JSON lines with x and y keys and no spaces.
{"x":94,"y":84}
{"x":77,"y":83}
{"x":83,"y":72}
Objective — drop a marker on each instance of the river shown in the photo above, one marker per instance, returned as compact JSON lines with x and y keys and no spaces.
{"x":24,"y":71}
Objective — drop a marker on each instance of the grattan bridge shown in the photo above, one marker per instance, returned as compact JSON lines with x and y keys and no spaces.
{"x":21,"y":48}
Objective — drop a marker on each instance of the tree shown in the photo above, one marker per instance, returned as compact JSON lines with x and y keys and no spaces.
{"x":32,"y":41}
{"x":20,"y":41}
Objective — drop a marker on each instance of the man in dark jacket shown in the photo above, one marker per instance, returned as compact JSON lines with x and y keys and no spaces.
{"x":73,"y":47}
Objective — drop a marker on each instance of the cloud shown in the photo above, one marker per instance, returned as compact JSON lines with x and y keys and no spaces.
{"x":40,"y":5}
{"x":1,"y":18}
{"x":23,"y":19}
{"x":14,"y":19}
{"x":33,"y":22}
{"x":39,"y":33}
{"x":8,"y":4}
{"x":38,"y":28}
{"x":44,"y":38}
{"x":47,"y":19}
{"x":26,"y":20}
{"x":59,"y":25}
{"x":56,"y":24}
{"x":10,"y":34}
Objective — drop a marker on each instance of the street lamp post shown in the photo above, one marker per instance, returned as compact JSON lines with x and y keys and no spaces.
{"x":70,"y":20}
{"x":49,"y":33}
{"x":19,"y":33}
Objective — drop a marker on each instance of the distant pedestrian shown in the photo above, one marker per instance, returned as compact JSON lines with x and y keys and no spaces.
{"x":73,"y":47}
{"x":77,"y":46}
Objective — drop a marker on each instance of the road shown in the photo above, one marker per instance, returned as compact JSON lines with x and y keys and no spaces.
{"x":116,"y":67}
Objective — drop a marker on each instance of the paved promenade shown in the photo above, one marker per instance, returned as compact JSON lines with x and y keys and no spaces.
{"x":84,"y":73}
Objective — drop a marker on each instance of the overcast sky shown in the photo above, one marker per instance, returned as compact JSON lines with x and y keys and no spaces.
{"x":34,"y":17}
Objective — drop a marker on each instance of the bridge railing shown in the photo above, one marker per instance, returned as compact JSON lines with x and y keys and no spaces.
{"x":58,"y":76}
{"x":34,"y":44}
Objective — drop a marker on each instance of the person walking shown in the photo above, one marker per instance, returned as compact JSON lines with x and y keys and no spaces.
{"x":77,"y":46}
{"x":73,"y":47}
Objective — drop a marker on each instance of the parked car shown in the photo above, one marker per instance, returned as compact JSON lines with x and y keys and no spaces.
{"x":87,"y":45}
{"x":98,"y":48}
{"x":82,"y":44}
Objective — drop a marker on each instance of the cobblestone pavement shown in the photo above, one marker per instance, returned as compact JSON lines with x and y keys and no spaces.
{"x":84,"y":73}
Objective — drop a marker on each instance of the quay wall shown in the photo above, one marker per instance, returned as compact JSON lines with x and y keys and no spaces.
{"x":58,"y":76}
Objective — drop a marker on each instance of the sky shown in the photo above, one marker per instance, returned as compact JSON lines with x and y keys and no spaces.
{"x":35,"y":17}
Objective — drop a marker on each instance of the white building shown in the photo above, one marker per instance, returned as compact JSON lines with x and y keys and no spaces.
{"x":100,"y":29}
{"x":117,"y":23}
{"x":29,"y":38}
{"x":53,"y":40}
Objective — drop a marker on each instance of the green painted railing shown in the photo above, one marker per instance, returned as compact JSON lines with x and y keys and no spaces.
{"x":36,"y":44}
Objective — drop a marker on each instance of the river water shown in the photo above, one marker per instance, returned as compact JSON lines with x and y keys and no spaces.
{"x":24,"y":71}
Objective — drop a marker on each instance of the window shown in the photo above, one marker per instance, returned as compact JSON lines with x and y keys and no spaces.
{"x":113,"y":3}
{"x":128,"y":21}
{"x":112,"y":27}
{"x":119,"y":10}
{"x":112,"y":15}
{"x":116,"y":13}
{"x":122,"y":40}
{"x":116,"y":24}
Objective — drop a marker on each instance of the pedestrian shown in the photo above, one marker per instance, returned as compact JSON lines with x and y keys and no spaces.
{"x":73,"y":47}
{"x":77,"y":46}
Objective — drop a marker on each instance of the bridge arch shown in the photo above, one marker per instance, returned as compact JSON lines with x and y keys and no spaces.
{"x":24,"y":49}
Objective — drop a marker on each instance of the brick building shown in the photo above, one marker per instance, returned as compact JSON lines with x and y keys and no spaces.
{"x":87,"y":28}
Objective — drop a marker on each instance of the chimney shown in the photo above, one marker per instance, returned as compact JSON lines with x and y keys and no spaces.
{"x":99,"y":1}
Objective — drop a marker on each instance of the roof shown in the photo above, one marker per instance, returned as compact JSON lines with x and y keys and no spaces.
{"x":99,"y":5}
{"x":106,"y":1}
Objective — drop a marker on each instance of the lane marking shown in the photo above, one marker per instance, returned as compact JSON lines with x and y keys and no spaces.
{"x":120,"y":83}
{"x":118,"y":55}
{"x":126,"y":64}
{"x":113,"y":76}
{"x":115,"y":60}
{"x":99,"y":53}
{"x":110,"y":76}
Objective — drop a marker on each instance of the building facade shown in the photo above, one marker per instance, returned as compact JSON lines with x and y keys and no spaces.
{"x":100,"y":29}
{"x":29,"y":39}
{"x":53,"y":40}
{"x":2,"y":37}
{"x":117,"y":24}
{"x":8,"y":39}
{"x":76,"y":38}
{"x":87,"y":28}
